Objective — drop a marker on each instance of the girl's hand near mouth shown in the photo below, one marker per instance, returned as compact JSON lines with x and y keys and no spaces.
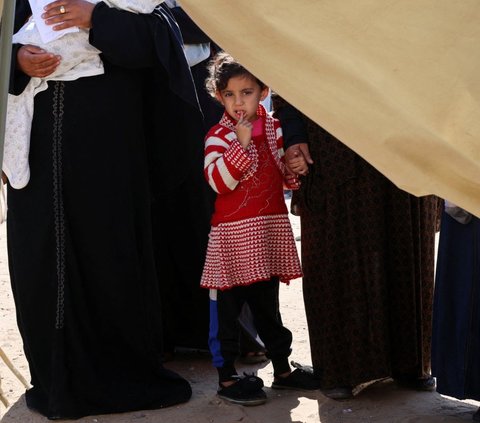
{"x":243,"y":129}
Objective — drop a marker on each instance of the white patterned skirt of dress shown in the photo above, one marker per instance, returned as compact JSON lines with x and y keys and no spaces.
{"x":251,"y":250}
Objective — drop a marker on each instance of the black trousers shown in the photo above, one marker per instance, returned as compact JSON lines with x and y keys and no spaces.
{"x":226,"y":306}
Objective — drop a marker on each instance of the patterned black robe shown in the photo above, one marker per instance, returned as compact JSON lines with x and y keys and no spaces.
{"x":368,"y":261}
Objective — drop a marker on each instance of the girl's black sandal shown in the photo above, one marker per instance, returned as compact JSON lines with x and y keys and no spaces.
{"x":246,"y":390}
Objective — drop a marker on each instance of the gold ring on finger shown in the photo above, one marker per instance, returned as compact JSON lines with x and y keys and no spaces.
{"x":62,"y":9}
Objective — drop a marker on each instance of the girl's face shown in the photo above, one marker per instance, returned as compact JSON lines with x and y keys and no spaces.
{"x":241,"y":96}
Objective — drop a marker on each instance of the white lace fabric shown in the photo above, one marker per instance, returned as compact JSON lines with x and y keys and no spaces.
{"x":79,"y":59}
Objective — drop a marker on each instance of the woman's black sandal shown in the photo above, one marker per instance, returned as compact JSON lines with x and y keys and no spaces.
{"x":299,"y":380}
{"x":426,"y":383}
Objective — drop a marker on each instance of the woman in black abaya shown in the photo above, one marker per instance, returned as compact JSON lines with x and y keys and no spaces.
{"x":456,"y":310}
{"x":80,"y":242}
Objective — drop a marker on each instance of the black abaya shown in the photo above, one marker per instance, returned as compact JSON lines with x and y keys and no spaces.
{"x":80,"y":239}
{"x":456,"y":310}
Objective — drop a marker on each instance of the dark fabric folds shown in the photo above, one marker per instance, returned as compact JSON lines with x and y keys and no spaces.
{"x":93,"y":253}
{"x":456,"y":313}
{"x":368,"y":262}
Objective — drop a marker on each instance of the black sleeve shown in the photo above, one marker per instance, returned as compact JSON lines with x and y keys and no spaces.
{"x":191,"y":33}
{"x":22,"y":13}
{"x":292,"y":121}
{"x":125,"y":39}
{"x":18,"y":79}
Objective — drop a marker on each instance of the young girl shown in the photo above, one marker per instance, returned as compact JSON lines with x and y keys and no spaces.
{"x":251,"y":246}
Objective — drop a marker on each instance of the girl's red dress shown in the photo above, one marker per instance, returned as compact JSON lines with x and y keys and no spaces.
{"x":251,"y":238}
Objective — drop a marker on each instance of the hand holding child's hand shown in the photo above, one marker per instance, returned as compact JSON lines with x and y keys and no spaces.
{"x":295,"y":161}
{"x":243,"y":129}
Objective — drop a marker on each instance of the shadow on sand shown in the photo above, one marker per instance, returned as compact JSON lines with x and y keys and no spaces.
{"x":381,"y":402}
{"x":385,"y":401}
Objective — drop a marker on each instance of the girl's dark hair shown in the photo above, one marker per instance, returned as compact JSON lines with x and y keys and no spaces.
{"x":223,"y":67}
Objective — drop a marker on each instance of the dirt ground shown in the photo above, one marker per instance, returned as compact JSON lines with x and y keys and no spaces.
{"x":381,"y":402}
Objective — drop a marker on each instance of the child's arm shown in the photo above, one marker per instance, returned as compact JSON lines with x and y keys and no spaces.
{"x":226,"y":160}
{"x":291,"y":181}
{"x":290,"y":178}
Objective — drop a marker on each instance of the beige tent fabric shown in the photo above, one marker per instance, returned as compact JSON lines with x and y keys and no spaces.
{"x":395,"y":80}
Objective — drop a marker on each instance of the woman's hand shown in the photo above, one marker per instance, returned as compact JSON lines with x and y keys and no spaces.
{"x":68,"y":13}
{"x":36,"y":62}
{"x":297,"y":158}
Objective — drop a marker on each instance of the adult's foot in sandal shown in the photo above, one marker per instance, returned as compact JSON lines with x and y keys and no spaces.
{"x":426,"y":383}
{"x":338,"y":394}
{"x":299,"y":379}
{"x":246,"y":390}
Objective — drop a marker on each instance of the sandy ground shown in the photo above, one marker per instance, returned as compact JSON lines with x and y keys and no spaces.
{"x":380,"y":402}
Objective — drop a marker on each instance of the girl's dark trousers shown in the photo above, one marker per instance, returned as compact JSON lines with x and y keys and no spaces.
{"x":226,"y":306}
